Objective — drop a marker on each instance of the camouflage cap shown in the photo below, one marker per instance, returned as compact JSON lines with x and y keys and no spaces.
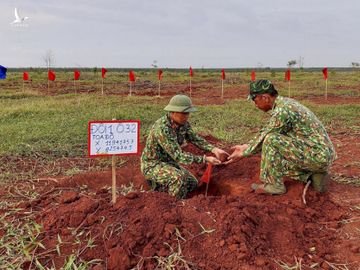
{"x":180,"y":103}
{"x":261,"y":87}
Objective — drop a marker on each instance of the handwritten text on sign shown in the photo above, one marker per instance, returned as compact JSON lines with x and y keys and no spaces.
{"x":117,"y":137}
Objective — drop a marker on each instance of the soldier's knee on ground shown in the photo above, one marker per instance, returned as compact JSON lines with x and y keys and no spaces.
{"x":183,"y":186}
{"x":191,"y":183}
{"x":175,"y":185}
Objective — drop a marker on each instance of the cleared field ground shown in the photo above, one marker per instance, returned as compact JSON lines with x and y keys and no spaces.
{"x":55,"y":201}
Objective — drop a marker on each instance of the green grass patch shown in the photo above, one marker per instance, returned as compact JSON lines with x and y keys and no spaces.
{"x":53,"y":127}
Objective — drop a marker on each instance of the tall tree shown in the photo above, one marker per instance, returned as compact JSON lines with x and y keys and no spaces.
{"x":291,"y":63}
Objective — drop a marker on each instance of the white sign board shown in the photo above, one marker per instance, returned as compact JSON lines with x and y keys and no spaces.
{"x":116,"y":137}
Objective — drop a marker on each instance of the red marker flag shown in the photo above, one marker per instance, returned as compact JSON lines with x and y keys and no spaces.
{"x":160,"y":72}
{"x":76,"y":75}
{"x":51,"y":75}
{"x":223,"y":74}
{"x":207,"y":174}
{"x":325,"y":72}
{"x":103,"y":72}
{"x":253,"y":75}
{"x":132,"y":76}
{"x":25,"y":76}
{"x":287,"y":75}
{"x":191,"y":73}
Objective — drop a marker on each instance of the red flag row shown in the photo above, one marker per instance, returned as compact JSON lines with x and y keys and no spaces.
{"x":288,"y":74}
{"x":52,"y":76}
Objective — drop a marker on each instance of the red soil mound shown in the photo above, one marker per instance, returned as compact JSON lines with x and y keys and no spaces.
{"x":225,"y":232}
{"x":232,"y":228}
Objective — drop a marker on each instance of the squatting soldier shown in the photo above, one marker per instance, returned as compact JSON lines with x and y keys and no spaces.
{"x":162,"y":153}
{"x":294,"y":143}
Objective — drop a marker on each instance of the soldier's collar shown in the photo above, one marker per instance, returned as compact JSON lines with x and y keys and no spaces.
{"x":275,"y":102}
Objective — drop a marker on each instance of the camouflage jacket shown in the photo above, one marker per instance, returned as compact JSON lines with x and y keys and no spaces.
{"x":164,"y":142}
{"x":292,"y":119}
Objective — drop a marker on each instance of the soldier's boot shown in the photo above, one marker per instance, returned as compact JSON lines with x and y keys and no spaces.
{"x":156,"y":186}
{"x":319,"y":181}
{"x":269,"y":189}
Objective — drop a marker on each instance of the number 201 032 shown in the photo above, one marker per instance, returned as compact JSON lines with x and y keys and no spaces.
{"x":113,"y":128}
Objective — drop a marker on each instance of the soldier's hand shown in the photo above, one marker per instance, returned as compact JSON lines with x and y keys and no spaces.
{"x":212,"y":160}
{"x":220,"y":154}
{"x":237,"y":153}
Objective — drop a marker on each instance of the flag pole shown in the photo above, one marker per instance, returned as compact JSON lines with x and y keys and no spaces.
{"x":48,"y":78}
{"x":159,"y":87}
{"x":23,"y":86}
{"x":130,"y":88}
{"x":222,"y":88}
{"x":207,"y":187}
{"x":326,"y":88}
{"x":190,"y":86}
{"x":289,"y":89}
{"x":74,"y":87}
{"x":102,"y":85}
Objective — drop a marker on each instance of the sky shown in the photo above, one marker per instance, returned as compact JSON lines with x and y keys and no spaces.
{"x":181,"y":33}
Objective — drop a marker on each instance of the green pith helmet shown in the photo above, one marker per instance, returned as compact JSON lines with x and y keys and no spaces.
{"x":180,"y":103}
{"x":261,"y":87}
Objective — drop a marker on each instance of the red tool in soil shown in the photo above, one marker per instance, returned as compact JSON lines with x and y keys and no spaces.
{"x":206,"y":177}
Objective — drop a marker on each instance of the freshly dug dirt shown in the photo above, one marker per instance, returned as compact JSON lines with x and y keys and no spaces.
{"x":232,"y":228}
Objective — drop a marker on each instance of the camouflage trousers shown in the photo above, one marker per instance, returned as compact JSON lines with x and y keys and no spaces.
{"x":171,"y":178}
{"x":286,"y":156}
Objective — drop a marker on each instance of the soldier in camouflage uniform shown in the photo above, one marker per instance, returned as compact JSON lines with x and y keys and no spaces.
{"x":162,"y":153}
{"x":294,"y":143}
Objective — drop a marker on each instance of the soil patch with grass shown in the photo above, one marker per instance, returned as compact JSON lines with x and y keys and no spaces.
{"x":231,"y":228}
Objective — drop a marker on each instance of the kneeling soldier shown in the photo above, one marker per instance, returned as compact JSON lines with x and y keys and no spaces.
{"x":162,"y":153}
{"x":294,"y":143}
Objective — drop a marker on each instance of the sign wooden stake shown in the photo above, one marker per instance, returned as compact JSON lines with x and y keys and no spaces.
{"x":113,"y":172}
{"x":130,"y":89}
{"x":74,"y":87}
{"x":113,"y":176}
{"x":113,"y":138}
